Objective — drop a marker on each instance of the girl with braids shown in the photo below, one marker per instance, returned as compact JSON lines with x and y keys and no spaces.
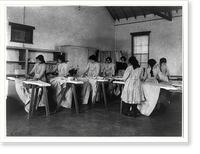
{"x":151,"y":72}
{"x":151,"y":86}
{"x":132,"y":94}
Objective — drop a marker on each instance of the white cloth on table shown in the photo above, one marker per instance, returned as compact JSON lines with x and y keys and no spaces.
{"x":57,"y":85}
{"x":24,"y":93}
{"x":89,"y":86}
{"x":151,"y":93}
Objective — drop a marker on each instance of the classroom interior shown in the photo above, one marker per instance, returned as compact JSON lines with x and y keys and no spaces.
{"x":78,"y":32}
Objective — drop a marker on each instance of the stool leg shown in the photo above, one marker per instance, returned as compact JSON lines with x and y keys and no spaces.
{"x":75,"y":98}
{"x":30,"y":114}
{"x":46,"y":101}
{"x":104,"y":94}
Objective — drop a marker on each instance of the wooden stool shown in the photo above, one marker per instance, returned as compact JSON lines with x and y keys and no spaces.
{"x":72,"y":85}
{"x":34,"y":95}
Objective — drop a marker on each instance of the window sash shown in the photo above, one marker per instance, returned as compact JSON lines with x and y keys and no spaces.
{"x":140,"y":47}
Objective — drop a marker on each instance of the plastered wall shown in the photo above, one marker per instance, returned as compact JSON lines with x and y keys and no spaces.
{"x":165,"y":38}
{"x":87,"y":26}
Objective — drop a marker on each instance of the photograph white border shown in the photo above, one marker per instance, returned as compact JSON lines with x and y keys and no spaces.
{"x":183,"y":139}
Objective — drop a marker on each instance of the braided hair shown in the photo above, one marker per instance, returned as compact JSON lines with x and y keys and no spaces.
{"x":151,"y":63}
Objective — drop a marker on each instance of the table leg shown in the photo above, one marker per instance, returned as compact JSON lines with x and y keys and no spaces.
{"x":93,"y":103}
{"x":36,"y":99}
{"x":104,"y":94}
{"x":121,"y":107}
{"x":46,"y":101}
{"x":75,"y":98}
{"x":30,"y":114}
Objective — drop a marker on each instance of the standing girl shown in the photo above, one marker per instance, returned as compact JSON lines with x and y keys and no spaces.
{"x":90,"y":84}
{"x":58,"y":83}
{"x":24,"y":92}
{"x":132,"y":93}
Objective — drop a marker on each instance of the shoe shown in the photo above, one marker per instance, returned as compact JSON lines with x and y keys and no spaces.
{"x":127,"y":114}
{"x":131,"y":114}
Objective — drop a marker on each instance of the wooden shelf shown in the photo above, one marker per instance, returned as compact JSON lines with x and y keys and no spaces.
{"x":15,"y":61}
{"x":24,"y":55}
{"x":32,"y":49}
{"x":15,"y":75}
{"x":46,"y":63}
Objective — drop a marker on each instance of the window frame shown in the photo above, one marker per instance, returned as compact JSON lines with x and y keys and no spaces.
{"x":28,"y":30}
{"x":132,"y":43}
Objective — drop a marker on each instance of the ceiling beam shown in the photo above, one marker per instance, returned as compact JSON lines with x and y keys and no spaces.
{"x":133,"y":12}
{"x":114,"y":13}
{"x":143,"y":11}
{"x":110,"y":13}
{"x":167,"y":17}
{"x":123,"y":13}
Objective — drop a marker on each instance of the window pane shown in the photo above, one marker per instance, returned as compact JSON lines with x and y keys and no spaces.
{"x":144,"y":49}
{"x":141,"y":40}
{"x":144,"y":58}
{"x":137,"y":49}
{"x":144,"y":40}
{"x":140,"y":44}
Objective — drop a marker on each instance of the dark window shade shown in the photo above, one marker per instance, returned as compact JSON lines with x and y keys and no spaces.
{"x":21,"y":33}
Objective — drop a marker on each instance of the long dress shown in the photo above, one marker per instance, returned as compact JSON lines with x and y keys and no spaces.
{"x":109,"y":70}
{"x":24,"y":92}
{"x":132,"y":92}
{"x":90,"y":83}
{"x":151,"y":92}
{"x":58,"y":83}
{"x":163,"y":73}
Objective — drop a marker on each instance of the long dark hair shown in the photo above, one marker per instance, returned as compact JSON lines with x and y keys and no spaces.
{"x":61,"y":57}
{"x":41,"y":58}
{"x":92,"y":57}
{"x":151,"y":63}
{"x":134,"y":62}
{"x":162,"y":60}
{"x":109,"y":58}
{"x":123,"y":58}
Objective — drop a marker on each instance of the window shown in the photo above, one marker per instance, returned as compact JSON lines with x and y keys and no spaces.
{"x":140,"y":47}
{"x":21,"y":33}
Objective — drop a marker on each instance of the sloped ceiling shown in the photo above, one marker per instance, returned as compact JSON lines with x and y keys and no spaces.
{"x":121,"y":12}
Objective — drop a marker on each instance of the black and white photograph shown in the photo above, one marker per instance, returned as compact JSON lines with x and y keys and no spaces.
{"x":96,"y":72}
